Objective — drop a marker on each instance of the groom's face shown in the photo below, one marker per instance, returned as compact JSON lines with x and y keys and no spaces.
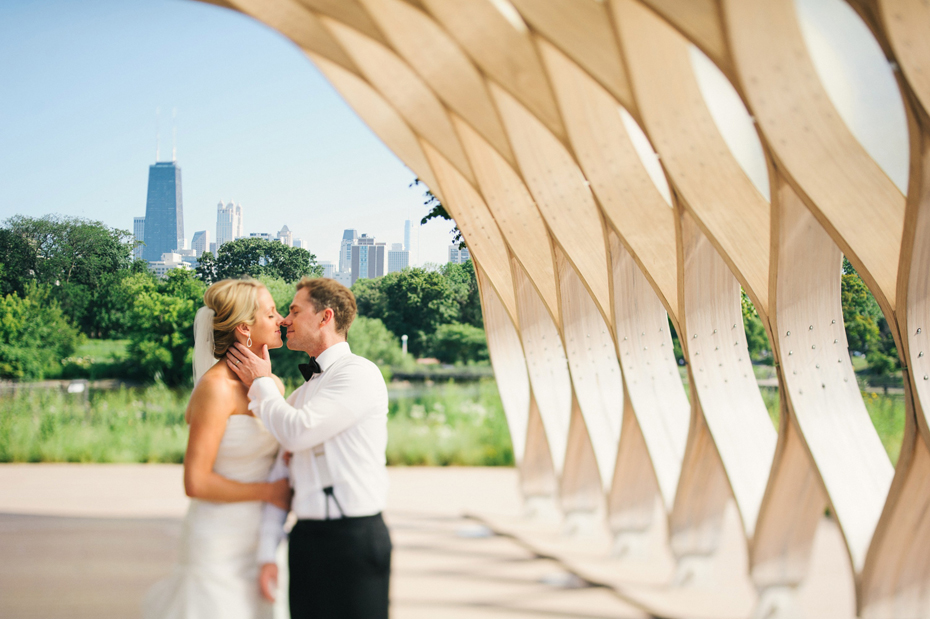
{"x":304,"y":331}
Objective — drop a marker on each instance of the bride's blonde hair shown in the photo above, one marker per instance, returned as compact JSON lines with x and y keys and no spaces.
{"x":234,"y":302}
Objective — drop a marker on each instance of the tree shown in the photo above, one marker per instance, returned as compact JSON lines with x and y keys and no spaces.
{"x":161,"y":324}
{"x":206,"y":268}
{"x":368,"y":296}
{"x":464,"y":286}
{"x":369,"y":338}
{"x":73,"y":256}
{"x":438,"y":211}
{"x":35,"y":335}
{"x":457,"y":342}
{"x":416,"y":302}
{"x":256,"y":257}
{"x":756,"y":338}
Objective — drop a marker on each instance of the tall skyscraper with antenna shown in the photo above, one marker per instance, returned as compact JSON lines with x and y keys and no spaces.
{"x":164,"y":211}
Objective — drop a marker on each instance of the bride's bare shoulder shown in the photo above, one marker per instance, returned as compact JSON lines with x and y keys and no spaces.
{"x":215,"y":394}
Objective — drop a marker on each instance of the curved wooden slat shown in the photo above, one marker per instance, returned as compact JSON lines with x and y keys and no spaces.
{"x":595,"y":372}
{"x":628,"y":197}
{"x":562,"y":195}
{"x":843,"y":185}
{"x":698,"y":161}
{"x":722,"y":378}
{"x":399,"y":85}
{"x":478,"y":228}
{"x":507,"y":359}
{"x":547,"y":365}
{"x":496,"y":37}
{"x":516,"y":214}
{"x":298,"y":24}
{"x":653,"y":384}
{"x":581,"y":28}
{"x":381,"y":117}
{"x":442,"y":65}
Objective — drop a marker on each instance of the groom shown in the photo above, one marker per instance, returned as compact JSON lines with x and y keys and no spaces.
{"x":336,"y":427}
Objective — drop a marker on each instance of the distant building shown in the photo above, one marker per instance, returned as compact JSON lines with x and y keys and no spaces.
{"x":201,"y":242}
{"x":458,"y":256}
{"x":398,"y":258}
{"x":300,"y":244}
{"x":265,"y":236}
{"x":407,"y":235}
{"x":169,"y":261}
{"x":138,"y":234}
{"x":329,"y":269}
{"x":286,"y":236}
{"x":164,"y":211}
{"x":213,"y":248}
{"x":349,"y":238}
{"x":228,"y":223}
{"x":343,"y":278}
{"x":367,"y":258}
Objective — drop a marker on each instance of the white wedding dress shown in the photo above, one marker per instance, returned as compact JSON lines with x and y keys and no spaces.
{"x":217,"y":572}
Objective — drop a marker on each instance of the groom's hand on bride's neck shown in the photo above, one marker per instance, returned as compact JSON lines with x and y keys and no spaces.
{"x":247,"y":365}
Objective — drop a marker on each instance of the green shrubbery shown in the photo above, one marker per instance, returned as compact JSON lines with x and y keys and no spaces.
{"x":35,"y":335}
{"x":450,"y":424}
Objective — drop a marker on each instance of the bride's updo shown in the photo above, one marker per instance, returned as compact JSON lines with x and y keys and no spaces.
{"x":234,"y":302}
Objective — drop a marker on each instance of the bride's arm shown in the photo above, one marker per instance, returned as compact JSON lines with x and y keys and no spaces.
{"x":210,"y":408}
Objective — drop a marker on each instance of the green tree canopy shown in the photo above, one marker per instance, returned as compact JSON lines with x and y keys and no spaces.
{"x":160,"y":324}
{"x":258,"y":257}
{"x":35,"y":335}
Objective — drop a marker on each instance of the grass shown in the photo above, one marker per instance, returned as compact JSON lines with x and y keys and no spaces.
{"x":443,"y":425}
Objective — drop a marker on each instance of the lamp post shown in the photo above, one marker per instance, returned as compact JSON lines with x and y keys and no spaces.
{"x":403,"y":343}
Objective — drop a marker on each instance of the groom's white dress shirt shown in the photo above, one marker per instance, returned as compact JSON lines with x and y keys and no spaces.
{"x":344,"y":408}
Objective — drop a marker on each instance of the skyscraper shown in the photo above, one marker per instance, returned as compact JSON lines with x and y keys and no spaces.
{"x":367,"y":258}
{"x":286,"y":236}
{"x":201,"y":242}
{"x":328,"y":268}
{"x":300,"y":244}
{"x":345,"y":250}
{"x":398,"y":258}
{"x":407,"y":235}
{"x":458,"y":256}
{"x":164,"y":211}
{"x":138,"y":234}
{"x":228,"y":223}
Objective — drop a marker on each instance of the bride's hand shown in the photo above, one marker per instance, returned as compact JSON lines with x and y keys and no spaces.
{"x":268,"y":580}
{"x":281,"y":494}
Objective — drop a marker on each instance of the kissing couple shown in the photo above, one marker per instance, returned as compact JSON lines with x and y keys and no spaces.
{"x":253,"y":456}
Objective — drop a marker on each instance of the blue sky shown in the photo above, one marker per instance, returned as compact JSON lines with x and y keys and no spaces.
{"x":79,"y":86}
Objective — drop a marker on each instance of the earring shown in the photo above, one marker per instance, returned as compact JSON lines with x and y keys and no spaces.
{"x":249,"y":342}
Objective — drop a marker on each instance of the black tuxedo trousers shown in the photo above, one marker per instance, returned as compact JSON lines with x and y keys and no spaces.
{"x":340,"y":569}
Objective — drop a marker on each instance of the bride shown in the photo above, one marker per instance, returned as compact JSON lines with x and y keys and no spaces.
{"x":229,"y":455}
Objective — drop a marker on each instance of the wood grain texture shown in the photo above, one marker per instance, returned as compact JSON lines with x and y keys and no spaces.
{"x":835,"y":175}
{"x":509,"y":364}
{"x":722,"y":379}
{"x":699,"y":164}
{"x":582,"y":30}
{"x":594,"y":369}
{"x":629,"y":199}
{"x":819,"y":380}
{"x":381,"y":117}
{"x":562,"y":194}
{"x":652,"y":382}
{"x":404,"y":89}
{"x":546,"y":364}
{"x":499,"y":42}
{"x":442,"y":64}
{"x":478,"y":228}
{"x":516,"y":214}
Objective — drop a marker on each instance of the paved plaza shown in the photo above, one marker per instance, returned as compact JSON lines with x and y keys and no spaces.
{"x":88,"y":540}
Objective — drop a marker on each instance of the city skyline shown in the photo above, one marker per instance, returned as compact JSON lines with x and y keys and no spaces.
{"x":256,"y":122}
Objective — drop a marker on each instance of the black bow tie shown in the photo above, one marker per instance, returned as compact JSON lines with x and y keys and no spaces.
{"x":309,"y":369}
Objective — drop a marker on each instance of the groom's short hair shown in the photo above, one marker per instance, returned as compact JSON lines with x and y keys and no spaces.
{"x":328,"y":293}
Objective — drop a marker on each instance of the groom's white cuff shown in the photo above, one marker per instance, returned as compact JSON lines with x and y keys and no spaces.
{"x":261,"y":389}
